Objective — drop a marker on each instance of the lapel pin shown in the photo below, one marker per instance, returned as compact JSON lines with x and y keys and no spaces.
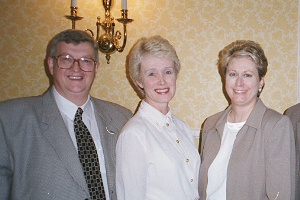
{"x":111,"y":132}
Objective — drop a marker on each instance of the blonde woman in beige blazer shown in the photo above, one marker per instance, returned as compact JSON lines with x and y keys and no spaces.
{"x":248,"y":150}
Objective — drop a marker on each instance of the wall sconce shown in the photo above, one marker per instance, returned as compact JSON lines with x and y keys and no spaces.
{"x":108,"y":42}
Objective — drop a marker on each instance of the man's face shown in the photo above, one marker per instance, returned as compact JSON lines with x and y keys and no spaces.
{"x":73,"y":83}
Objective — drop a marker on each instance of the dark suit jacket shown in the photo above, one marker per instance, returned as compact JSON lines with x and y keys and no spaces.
{"x":37,"y":157}
{"x":294,"y":114}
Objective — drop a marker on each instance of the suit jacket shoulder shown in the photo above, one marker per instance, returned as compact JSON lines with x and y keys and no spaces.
{"x":111,"y":109}
{"x":293,"y":112}
{"x":293,"y":108}
{"x":24,"y":104}
{"x":112,"y":115}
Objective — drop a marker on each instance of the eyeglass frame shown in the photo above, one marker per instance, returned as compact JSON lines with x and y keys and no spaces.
{"x":75,"y":60}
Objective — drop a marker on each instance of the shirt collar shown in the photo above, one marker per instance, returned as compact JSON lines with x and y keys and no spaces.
{"x":154,"y":115}
{"x":68,"y":108}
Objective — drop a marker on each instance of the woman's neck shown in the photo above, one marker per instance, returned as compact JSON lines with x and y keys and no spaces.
{"x":238,"y":114}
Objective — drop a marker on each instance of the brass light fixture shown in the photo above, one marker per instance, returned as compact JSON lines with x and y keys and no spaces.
{"x":108,"y":42}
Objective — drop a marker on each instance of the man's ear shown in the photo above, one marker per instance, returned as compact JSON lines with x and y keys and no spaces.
{"x":50,"y":65}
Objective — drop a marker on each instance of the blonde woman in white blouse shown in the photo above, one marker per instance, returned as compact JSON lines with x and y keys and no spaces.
{"x":156,"y":154}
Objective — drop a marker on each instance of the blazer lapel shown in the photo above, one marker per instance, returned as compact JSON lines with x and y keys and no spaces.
{"x":55,"y":131}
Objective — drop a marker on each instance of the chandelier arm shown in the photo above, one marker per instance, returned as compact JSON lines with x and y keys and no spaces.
{"x":98,"y":25}
{"x":124,"y":20}
{"x":121,"y":48}
{"x":91,"y":32}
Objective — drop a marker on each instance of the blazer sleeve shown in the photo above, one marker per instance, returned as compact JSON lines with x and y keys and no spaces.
{"x":280,"y":160}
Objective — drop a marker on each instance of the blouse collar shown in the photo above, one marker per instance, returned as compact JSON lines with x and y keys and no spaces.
{"x":155,"y":116}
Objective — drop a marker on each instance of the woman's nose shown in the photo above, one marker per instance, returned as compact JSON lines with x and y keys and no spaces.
{"x":161,"y":79}
{"x":239,"y":80}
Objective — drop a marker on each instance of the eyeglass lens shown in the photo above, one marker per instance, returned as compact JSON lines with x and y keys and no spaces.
{"x":67,"y":61}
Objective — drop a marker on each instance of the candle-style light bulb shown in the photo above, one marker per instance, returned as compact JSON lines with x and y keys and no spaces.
{"x":124,"y":4}
{"x":73,"y":3}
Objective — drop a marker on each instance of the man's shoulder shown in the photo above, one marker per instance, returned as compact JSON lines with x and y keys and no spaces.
{"x":110,"y":107}
{"x":19,"y":109}
{"x":293,"y":109}
{"x":293,"y":112}
{"x":107,"y":104}
{"x":24,"y":102}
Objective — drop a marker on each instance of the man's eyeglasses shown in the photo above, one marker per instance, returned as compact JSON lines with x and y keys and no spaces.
{"x":67,"y":61}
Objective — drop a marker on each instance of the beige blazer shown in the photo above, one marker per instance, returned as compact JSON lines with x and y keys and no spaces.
{"x":262,"y":162}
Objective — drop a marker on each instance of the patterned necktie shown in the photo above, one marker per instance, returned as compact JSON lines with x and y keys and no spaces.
{"x":88,"y":157}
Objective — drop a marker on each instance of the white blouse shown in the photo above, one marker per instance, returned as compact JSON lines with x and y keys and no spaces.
{"x":217,"y":172}
{"x":156,"y":158}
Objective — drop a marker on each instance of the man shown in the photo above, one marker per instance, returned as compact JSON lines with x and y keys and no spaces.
{"x":294,"y":113}
{"x":39,"y":145}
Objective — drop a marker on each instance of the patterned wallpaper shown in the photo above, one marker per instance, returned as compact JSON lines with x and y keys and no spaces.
{"x":198,"y":29}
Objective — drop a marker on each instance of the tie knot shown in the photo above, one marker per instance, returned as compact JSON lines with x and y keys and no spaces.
{"x":78,"y":115}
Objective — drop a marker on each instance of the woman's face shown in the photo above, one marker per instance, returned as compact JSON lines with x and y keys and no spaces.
{"x":242,"y":81}
{"x":158,"y":80}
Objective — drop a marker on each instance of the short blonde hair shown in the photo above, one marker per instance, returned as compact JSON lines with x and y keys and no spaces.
{"x":242,"y":48}
{"x":156,"y":46}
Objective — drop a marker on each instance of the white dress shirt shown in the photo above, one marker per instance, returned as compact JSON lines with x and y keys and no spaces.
{"x":217,"y":172}
{"x":68,"y":111}
{"x":156,"y":158}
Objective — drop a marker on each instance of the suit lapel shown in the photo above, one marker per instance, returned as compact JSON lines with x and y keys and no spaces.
{"x":108,"y":136}
{"x":55,"y":131}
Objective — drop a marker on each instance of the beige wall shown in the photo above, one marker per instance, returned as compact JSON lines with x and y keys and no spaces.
{"x":198,"y":29}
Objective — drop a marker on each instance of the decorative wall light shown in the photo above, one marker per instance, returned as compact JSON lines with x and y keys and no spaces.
{"x":108,"y":41}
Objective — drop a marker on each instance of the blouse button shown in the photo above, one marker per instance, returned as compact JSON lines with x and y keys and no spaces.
{"x":167,"y":124}
{"x":192,"y":180}
{"x":177,"y":141}
{"x":187,"y":160}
